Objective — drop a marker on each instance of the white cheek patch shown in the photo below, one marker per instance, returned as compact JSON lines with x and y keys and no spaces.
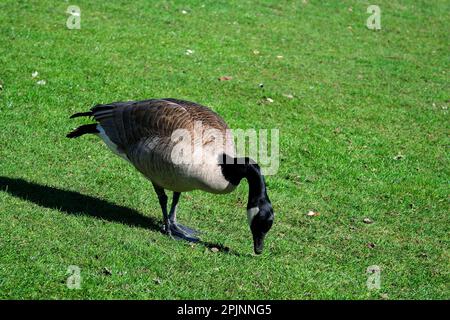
{"x":251,"y":213}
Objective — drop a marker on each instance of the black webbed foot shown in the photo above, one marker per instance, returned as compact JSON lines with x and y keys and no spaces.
{"x":180,"y":232}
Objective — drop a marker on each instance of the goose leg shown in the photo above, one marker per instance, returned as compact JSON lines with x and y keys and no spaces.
{"x":162,"y":197}
{"x":173,"y":217}
{"x":171,"y":228}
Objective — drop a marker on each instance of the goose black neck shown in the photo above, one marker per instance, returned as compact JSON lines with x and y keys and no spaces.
{"x":235,"y":169}
{"x":256,"y":185}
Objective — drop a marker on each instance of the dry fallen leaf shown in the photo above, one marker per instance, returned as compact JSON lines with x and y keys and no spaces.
{"x":312,"y":213}
{"x":423,"y":255}
{"x":225,"y":78}
{"x":288,"y":95}
{"x":214,"y":249}
{"x":367,"y":220}
{"x":269,"y":100}
{"x":371,"y":245}
{"x":106,"y":271}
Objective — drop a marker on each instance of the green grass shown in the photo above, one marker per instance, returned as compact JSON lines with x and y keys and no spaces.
{"x":360,"y":98}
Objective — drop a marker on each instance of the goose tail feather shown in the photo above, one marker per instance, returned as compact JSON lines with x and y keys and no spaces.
{"x":84,"y":129}
{"x":82,"y":114}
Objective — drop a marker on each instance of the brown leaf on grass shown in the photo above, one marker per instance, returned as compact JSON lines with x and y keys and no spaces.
{"x":371,"y":245}
{"x":313,"y":213}
{"x":423,"y":255}
{"x":106,"y":271}
{"x":214,"y":249}
{"x":225,"y":78}
{"x":367,"y":220}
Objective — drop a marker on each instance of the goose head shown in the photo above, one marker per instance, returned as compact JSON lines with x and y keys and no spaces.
{"x":260,"y":220}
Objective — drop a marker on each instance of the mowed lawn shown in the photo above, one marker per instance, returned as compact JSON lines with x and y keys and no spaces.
{"x":363,"y":120}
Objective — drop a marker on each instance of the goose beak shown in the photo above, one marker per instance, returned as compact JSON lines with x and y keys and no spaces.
{"x":258,"y":243}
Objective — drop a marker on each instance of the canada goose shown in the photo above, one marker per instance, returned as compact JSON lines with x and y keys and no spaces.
{"x":142,"y":132}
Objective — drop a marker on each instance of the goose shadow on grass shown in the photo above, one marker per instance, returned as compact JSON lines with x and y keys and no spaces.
{"x":74,"y":203}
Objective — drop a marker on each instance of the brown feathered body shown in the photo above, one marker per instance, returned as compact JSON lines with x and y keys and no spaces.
{"x":176,"y":144}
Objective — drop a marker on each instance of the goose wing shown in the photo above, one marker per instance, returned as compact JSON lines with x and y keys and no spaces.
{"x":128,"y":123}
